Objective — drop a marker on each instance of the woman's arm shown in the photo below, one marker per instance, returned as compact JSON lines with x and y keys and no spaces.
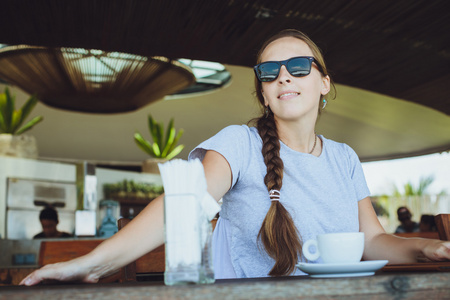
{"x":380,"y":245}
{"x":143,"y":234}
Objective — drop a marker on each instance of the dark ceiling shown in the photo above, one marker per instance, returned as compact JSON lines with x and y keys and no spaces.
{"x":398,"y":48}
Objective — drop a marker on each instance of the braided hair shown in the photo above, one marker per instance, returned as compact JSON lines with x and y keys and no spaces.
{"x":278,"y":233}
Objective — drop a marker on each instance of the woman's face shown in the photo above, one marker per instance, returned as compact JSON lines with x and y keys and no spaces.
{"x":291,"y":98}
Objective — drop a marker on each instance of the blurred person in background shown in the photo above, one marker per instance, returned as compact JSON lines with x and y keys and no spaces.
{"x":49,"y":221}
{"x":407,"y":224}
{"x":427,"y":223}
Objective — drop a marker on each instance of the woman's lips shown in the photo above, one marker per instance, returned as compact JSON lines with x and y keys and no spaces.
{"x":288,"y":95}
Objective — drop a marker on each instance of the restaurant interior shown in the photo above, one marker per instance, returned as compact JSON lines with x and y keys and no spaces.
{"x":100,"y":68}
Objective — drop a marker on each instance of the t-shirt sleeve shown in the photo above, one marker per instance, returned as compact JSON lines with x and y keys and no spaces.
{"x":232,"y":143}
{"x":357,"y":174}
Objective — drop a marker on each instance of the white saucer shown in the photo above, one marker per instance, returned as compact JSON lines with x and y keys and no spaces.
{"x":362,"y":268}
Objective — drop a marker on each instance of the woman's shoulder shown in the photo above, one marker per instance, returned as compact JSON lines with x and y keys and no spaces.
{"x":231,"y":139}
{"x":239,"y":128}
{"x":239,"y":131}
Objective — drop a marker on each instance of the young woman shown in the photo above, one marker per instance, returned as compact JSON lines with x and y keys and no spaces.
{"x":281,"y":184}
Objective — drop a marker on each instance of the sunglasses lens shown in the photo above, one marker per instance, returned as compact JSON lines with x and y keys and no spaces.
{"x":300,"y":66}
{"x":268,"y":71}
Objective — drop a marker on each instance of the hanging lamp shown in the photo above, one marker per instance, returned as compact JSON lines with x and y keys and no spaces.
{"x":94,"y":81}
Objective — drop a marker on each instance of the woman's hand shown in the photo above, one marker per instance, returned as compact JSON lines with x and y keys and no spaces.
{"x":436,"y":250}
{"x":73,"y":270}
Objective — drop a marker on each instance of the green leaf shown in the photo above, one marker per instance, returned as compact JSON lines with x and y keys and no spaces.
{"x":2,"y":123}
{"x":151,"y":127}
{"x":28,"y":107}
{"x":9,"y":109}
{"x":168,"y":133}
{"x":143,"y":144}
{"x":30,"y":124}
{"x":175,"y":142}
{"x":15,"y":121}
{"x":2,"y":103}
{"x":170,"y":139}
{"x":175,"y":152}
{"x":160,"y":134}
{"x":10,"y":119}
{"x":156,"y":150}
{"x":164,"y":142}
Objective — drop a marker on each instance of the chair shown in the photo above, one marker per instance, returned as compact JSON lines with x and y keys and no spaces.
{"x":443,"y":226}
{"x":426,"y":235}
{"x":58,"y":251}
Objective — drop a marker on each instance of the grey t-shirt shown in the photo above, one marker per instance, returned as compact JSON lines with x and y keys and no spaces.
{"x":321,"y":193}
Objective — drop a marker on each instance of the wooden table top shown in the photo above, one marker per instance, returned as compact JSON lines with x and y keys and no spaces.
{"x":383,"y":285}
{"x":442,"y":266}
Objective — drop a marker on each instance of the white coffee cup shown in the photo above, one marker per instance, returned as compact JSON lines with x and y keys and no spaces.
{"x":333,"y":248}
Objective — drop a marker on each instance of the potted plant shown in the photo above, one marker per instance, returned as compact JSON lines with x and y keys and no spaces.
{"x":12,"y":127}
{"x":130,"y":190}
{"x":164,"y":146}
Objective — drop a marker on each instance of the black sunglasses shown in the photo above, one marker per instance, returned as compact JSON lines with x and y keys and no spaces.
{"x":297,"y":66}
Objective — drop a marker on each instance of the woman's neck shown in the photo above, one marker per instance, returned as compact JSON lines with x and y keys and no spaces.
{"x":298,"y":136}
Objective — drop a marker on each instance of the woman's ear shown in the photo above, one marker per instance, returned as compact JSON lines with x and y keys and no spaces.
{"x":266,"y":103}
{"x":326,"y":84}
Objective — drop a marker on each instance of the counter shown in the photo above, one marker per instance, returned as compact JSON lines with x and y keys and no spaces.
{"x":14,"y":275}
{"x":383,"y":285}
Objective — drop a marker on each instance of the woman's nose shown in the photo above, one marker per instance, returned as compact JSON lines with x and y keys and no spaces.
{"x":284,"y":75}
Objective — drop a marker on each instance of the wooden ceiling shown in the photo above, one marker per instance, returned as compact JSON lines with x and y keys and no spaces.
{"x":397,"y":48}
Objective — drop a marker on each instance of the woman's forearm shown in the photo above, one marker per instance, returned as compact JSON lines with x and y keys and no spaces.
{"x":406,"y":250}
{"x":380,"y":245}
{"x":395,"y":249}
{"x":143,"y":234}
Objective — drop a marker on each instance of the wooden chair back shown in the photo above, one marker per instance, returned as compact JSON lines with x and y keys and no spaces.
{"x":443,"y":226}
{"x":58,"y":251}
{"x":426,"y":235}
